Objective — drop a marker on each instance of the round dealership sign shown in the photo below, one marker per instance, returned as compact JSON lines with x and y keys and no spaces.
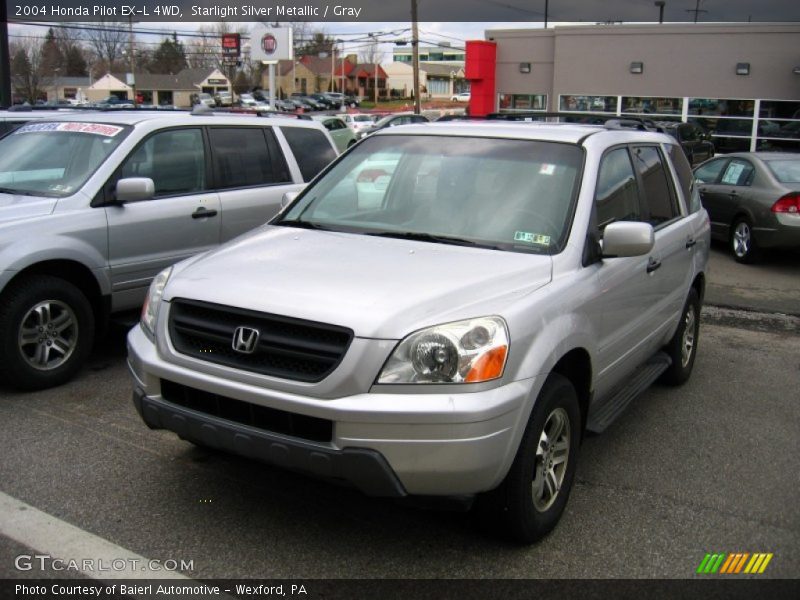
{"x":269,"y":44}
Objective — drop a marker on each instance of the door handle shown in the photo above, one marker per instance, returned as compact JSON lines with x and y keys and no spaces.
{"x":653,"y":264}
{"x":202,"y":212}
{"x":691,"y":242}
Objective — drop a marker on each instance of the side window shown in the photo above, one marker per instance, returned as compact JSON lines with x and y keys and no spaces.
{"x":174,"y":160}
{"x":739,"y":172}
{"x":659,"y":199}
{"x":311,"y":149}
{"x":685,"y":178}
{"x":242,"y":157}
{"x":709,"y":172}
{"x":616,"y":196}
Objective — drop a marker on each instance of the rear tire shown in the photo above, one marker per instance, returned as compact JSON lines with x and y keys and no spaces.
{"x":682,"y":348}
{"x":530,"y":501}
{"x":743,"y":242}
{"x":46,"y":332}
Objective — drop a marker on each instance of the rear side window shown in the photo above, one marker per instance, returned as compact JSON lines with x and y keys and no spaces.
{"x":311,"y":149}
{"x":738,"y":172}
{"x":659,"y":199}
{"x":243,"y":157}
{"x":617,"y":196}
{"x":685,"y":177}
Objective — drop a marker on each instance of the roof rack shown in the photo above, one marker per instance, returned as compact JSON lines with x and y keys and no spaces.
{"x":607,"y":121}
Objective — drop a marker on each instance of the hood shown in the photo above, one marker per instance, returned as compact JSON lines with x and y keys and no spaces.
{"x":379,"y":287}
{"x":17,"y":206}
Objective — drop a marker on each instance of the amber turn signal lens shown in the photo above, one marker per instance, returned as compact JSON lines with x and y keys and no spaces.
{"x":489,"y":366}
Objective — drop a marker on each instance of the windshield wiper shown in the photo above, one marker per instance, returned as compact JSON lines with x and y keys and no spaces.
{"x":429,"y":237}
{"x":303,"y":225}
{"x":18,"y":192}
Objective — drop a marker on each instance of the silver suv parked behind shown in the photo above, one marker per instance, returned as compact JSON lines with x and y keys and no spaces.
{"x":93,"y":205}
{"x":444,"y":312}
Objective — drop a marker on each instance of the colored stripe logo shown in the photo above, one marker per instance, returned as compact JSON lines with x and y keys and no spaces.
{"x":734,"y":563}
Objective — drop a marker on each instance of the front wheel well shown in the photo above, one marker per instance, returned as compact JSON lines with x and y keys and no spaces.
{"x":576,"y":365}
{"x":77,"y":274}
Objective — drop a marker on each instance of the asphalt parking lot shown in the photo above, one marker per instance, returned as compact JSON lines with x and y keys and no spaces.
{"x":709,"y":467}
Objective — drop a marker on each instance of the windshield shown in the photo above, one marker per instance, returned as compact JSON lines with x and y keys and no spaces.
{"x":362,"y":119}
{"x":785,"y":170}
{"x":54,"y":159}
{"x":503,"y":194}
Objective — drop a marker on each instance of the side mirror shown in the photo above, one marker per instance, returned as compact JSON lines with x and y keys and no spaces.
{"x":627,"y":238}
{"x":288,"y":198}
{"x":133,"y":189}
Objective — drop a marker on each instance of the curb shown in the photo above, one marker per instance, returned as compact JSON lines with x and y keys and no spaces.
{"x":749,"y":319}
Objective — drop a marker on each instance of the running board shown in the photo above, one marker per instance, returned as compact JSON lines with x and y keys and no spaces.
{"x":602,"y":415}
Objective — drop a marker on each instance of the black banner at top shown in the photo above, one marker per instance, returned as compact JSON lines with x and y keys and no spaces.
{"x":284,"y":11}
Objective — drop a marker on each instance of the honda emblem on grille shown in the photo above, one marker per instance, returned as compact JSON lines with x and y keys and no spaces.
{"x":245,"y":339}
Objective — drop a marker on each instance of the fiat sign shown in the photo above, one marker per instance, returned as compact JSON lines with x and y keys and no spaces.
{"x":271,"y":43}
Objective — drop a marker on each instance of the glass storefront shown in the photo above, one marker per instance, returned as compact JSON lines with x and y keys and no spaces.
{"x":511,"y":102}
{"x":735,"y":124}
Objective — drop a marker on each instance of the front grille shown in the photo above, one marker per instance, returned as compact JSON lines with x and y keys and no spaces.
{"x":260,"y":417}
{"x":287,"y":348}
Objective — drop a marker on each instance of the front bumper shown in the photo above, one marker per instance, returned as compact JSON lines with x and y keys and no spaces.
{"x":385,"y":444}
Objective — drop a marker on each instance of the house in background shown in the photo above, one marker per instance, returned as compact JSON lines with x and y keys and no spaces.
{"x":158,"y":89}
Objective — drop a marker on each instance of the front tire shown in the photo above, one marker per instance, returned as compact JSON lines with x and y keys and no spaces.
{"x":46,"y":332}
{"x":682,"y":348}
{"x":530,"y":501}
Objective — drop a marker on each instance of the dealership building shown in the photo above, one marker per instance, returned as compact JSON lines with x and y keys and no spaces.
{"x":741,"y":82}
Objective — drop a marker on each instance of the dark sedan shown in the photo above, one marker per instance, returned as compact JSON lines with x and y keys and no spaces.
{"x":753,"y":200}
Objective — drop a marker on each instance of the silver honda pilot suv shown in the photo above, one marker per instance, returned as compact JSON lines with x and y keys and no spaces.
{"x":94,"y":204}
{"x":443,"y":312}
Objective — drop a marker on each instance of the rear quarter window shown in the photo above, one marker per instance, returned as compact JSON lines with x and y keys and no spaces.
{"x":685,"y":177}
{"x":311,"y":149}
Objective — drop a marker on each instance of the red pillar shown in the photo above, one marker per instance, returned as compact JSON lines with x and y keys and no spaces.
{"x":480,"y":70}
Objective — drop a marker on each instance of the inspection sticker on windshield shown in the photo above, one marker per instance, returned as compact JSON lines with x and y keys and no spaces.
{"x":95,"y":128}
{"x":547,"y":169}
{"x":532,"y":238}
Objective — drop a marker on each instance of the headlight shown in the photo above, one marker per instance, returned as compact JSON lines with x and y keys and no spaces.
{"x":153,"y":301}
{"x":462,"y":352}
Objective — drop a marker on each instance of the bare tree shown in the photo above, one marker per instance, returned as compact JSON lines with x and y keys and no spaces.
{"x":107,"y":39}
{"x":371,"y":54}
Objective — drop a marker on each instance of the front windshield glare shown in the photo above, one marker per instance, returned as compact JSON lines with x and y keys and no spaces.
{"x":505,"y":194}
{"x":54,"y":159}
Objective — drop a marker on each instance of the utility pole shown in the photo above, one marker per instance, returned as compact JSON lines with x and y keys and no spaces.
{"x":5,"y":59}
{"x":696,"y":10}
{"x":133,"y":59}
{"x":415,"y":56}
{"x":660,"y":4}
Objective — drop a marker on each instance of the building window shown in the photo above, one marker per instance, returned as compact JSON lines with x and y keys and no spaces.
{"x":648,"y":105}
{"x":572,"y":103}
{"x":721,"y":107}
{"x":511,"y":102}
{"x":779,"y":125}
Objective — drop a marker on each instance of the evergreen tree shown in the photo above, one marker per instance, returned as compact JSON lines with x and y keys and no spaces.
{"x":169,"y":57}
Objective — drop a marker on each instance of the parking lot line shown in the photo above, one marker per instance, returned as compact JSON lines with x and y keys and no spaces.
{"x":72,"y":550}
